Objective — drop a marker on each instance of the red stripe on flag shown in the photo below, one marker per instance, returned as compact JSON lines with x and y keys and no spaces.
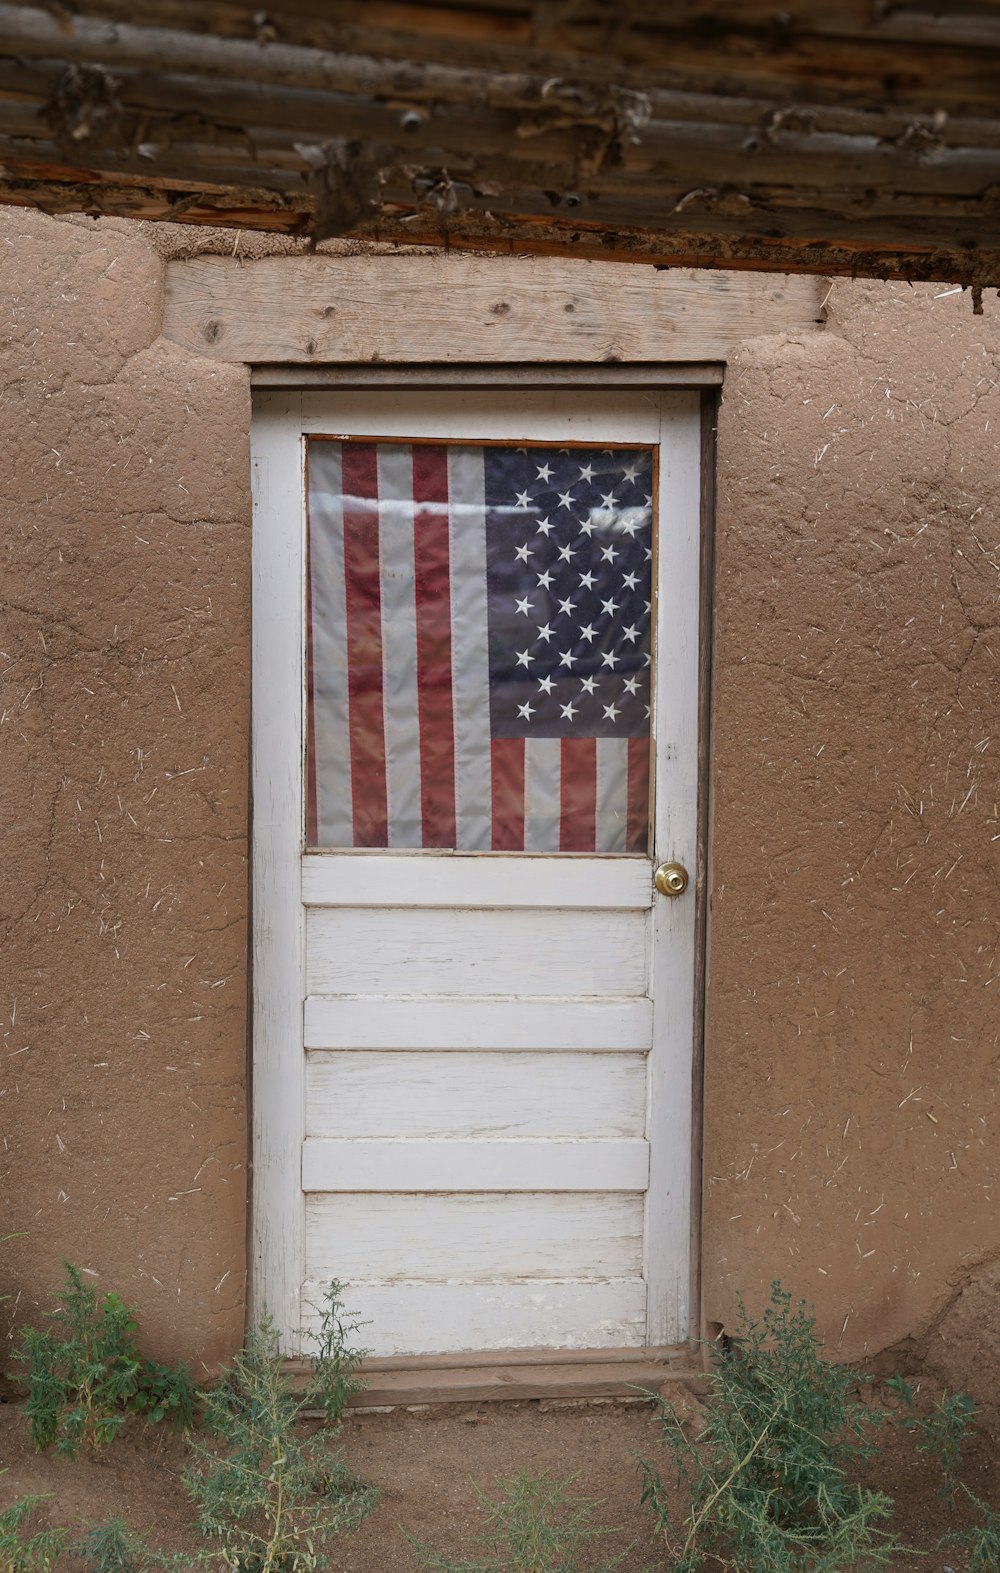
{"x":434,"y":699}
{"x":508,"y":794}
{"x":364,"y":644}
{"x":637,"y":835}
{"x":578,"y":795}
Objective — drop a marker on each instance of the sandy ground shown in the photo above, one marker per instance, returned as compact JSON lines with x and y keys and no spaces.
{"x":427,"y":1463}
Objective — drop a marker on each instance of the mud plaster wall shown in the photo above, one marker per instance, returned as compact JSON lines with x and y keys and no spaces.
{"x":852,"y":1020}
{"x":851,"y":1143}
{"x":123,"y":773}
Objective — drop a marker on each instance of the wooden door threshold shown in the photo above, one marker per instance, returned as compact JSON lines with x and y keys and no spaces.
{"x":513,"y":1375}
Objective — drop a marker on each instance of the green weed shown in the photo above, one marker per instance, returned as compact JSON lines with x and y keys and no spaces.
{"x":111,"y":1547}
{"x":268,"y":1495}
{"x":336,"y":1358}
{"x":23,"y":1550}
{"x":534,"y":1526}
{"x":942,"y":1433}
{"x":981,"y":1543}
{"x":82,"y":1370}
{"x":84,"y":1374}
{"x":166,"y":1393}
{"x":767,"y":1478}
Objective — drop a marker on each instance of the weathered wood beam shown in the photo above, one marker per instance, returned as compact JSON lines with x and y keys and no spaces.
{"x":683,"y":161}
{"x":894,"y":50}
{"x":310,"y":310}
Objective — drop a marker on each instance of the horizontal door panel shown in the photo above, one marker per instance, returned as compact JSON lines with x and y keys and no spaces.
{"x":384,"y":880}
{"x":357,"y":950}
{"x":417,"y":1319}
{"x":473,"y":1239}
{"x":382,"y":1095}
{"x":431,"y":1022}
{"x":474,"y":1166}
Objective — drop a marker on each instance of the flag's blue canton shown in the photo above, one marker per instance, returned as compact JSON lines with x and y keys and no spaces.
{"x":568,"y":554}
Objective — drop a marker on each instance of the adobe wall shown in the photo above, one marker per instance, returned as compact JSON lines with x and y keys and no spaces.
{"x":123,"y":772}
{"x":850,"y":1140}
{"x":851,"y":1143}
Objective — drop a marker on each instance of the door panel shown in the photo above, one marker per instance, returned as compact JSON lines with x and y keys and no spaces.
{"x":477,"y":1113}
{"x":389,"y":1096}
{"x":387,"y":1239}
{"x":352,"y":950}
{"x":508,"y":1313}
{"x":434,"y":1023}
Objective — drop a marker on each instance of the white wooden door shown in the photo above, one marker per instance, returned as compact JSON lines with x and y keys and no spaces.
{"x":472,"y":1067}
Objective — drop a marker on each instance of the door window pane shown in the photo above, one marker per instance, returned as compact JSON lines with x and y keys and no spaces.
{"x":479,"y":656}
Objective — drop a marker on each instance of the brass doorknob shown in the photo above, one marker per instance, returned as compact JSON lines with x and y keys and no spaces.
{"x":671,"y":879}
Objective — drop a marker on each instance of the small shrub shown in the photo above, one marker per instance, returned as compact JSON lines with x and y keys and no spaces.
{"x":165,"y":1393}
{"x":24,"y":1551}
{"x":111,"y":1547}
{"x":82,"y":1370}
{"x":981,"y":1543}
{"x":268,"y":1495}
{"x":534,"y":1526}
{"x":767,"y":1477}
{"x":84,"y":1374}
{"x":942,"y":1433}
{"x":337,"y":1358}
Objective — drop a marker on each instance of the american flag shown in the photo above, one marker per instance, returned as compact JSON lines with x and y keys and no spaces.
{"x":479,"y":646}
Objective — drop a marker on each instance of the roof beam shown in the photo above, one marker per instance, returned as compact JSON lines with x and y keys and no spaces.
{"x":843,"y":139}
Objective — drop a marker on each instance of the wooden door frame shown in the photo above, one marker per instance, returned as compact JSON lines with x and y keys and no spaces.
{"x":276,"y":1247}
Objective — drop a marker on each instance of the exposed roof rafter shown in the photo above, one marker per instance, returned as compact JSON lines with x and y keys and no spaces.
{"x":841,"y":136}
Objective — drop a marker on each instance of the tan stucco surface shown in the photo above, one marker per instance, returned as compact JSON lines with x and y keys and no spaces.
{"x":853,"y":1011}
{"x":852,"y":1016}
{"x":123,"y":774}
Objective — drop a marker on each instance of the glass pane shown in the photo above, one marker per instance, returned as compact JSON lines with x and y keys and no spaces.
{"x":479,"y":646}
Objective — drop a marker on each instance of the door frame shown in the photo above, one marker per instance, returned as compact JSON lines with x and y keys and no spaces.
{"x":277,"y":1088}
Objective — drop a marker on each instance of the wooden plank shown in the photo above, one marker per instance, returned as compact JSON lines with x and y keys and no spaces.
{"x":668,"y":1202}
{"x":690,"y":374}
{"x":515,"y":1383}
{"x":357,"y":950}
{"x":668,"y":1357}
{"x":444,"y":309}
{"x":276,"y":959}
{"x":409,"y":1318}
{"x":472,"y":1238}
{"x":761,"y":141}
{"x":862,"y":42}
{"x":471,"y":1096}
{"x":514,"y":414}
{"x":945,"y":47}
{"x":474,"y":1166}
{"x":467,"y":880}
{"x":434,"y":1023}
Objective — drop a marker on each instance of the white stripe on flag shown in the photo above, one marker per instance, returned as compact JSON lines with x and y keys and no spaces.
{"x":612,"y":793}
{"x":400,"y":700}
{"x":542,"y":787}
{"x":331,"y":728}
{"x":470,"y":672}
